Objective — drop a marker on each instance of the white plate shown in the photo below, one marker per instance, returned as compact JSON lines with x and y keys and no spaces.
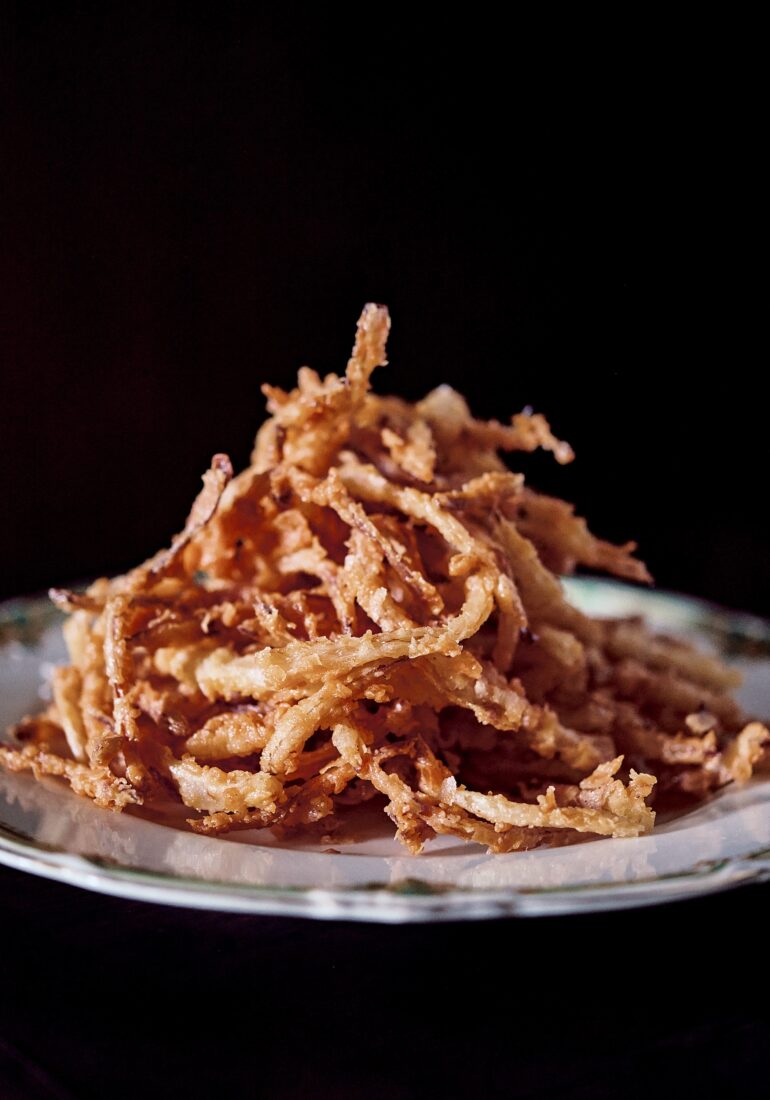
{"x":46,"y":830}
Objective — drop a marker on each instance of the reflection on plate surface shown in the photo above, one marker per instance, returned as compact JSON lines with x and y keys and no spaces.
{"x":49,"y":831}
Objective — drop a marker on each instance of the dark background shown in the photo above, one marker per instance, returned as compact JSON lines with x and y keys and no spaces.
{"x":107,"y":997}
{"x":192,"y":205}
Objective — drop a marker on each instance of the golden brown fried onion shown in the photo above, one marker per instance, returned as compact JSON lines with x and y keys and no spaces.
{"x":372,"y":610}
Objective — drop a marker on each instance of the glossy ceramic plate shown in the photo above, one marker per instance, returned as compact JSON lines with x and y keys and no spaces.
{"x":46,"y":830}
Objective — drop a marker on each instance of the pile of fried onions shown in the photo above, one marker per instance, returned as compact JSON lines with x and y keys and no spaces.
{"x":371,"y":610}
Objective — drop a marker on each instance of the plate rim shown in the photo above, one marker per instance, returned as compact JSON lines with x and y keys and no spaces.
{"x":392,"y":903}
{"x":407,"y":900}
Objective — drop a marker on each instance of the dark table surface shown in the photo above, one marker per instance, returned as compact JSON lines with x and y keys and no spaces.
{"x":106,"y":997}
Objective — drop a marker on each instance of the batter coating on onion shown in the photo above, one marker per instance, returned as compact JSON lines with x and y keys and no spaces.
{"x":372,"y":610}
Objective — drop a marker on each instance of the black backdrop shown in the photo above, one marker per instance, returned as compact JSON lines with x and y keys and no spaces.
{"x":194,"y":205}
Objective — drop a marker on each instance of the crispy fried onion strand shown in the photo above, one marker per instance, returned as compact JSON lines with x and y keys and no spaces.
{"x":372,"y":610}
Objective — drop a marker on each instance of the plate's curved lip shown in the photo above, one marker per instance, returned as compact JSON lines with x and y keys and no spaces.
{"x":400,"y":902}
{"x":397,"y":903}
